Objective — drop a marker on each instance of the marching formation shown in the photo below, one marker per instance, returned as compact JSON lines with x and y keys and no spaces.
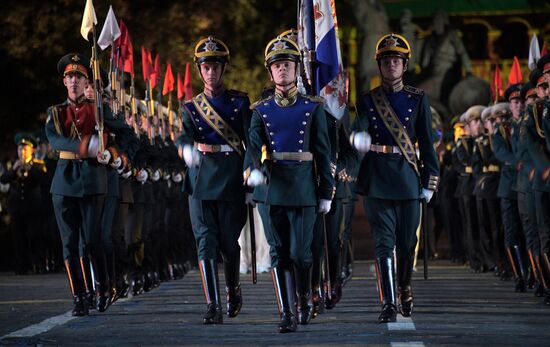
{"x":132,"y":193}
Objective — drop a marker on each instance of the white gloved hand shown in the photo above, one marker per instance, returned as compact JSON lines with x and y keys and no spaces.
{"x":156,"y":176}
{"x":93,"y":146}
{"x":362,"y":141}
{"x":177,"y":178}
{"x":256,"y":178}
{"x":426,"y":194}
{"x":142,"y":176}
{"x":248,"y":200}
{"x":324,"y":206}
{"x":116,"y":163}
{"x":127,"y":174}
{"x":167,"y":177}
{"x":104,"y":157}
{"x":191,"y":156}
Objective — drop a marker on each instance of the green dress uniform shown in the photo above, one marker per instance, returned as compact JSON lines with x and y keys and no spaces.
{"x":507,"y":190}
{"x":526,"y":198}
{"x":391,"y":177}
{"x":79,"y":183}
{"x":215,"y":127}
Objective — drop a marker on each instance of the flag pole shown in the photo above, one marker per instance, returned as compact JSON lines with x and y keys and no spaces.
{"x":98,"y":92}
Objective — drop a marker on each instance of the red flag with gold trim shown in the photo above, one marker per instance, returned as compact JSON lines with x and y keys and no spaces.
{"x":515,"y":73}
{"x":168,"y":80}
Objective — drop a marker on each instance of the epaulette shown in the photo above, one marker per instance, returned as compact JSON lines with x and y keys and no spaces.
{"x":413,"y":90}
{"x":257,"y":103}
{"x":313,"y":98}
{"x":238,"y":93}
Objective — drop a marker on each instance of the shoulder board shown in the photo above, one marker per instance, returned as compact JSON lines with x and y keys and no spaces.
{"x":313,"y":98}
{"x":238,"y":93}
{"x":413,"y":90}
{"x":257,"y":103}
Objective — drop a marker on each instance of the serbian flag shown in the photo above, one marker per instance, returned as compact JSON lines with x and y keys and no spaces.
{"x":168,"y":80}
{"x":329,"y":77}
{"x":515,"y":73}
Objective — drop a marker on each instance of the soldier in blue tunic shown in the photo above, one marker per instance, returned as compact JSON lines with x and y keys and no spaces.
{"x":390,"y":120}
{"x":289,"y":148}
{"x":214,"y":125}
{"x":80,"y":181}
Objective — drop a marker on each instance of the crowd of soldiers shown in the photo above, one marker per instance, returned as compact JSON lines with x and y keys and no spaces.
{"x":496,"y":175}
{"x":126,"y":203}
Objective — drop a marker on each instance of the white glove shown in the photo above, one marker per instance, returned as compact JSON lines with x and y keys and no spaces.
{"x":127,"y":174}
{"x":116,"y":163}
{"x":142,"y":176}
{"x":104,"y":157}
{"x":177,"y":178}
{"x":256,"y":178}
{"x":93,"y":146}
{"x":426,"y":194}
{"x":248,"y":200}
{"x":191,"y":156}
{"x":324,"y":206}
{"x":362,"y":141}
{"x":156,"y":176}
{"x":167,"y":177}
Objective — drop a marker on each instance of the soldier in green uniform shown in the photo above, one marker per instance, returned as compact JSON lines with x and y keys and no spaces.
{"x":80,"y":180}
{"x":390,"y":120}
{"x":25,"y":178}
{"x":507,"y":187}
{"x":215,"y":123}
{"x":526,"y":199}
{"x":289,"y":148}
{"x":536,"y":144}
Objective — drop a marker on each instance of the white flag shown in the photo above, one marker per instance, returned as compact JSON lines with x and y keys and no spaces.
{"x":89,"y":19}
{"x":534,"y":53}
{"x":110,"y":31}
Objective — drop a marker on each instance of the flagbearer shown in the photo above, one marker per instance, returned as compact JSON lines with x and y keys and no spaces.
{"x":390,"y":120}
{"x":290,"y":148}
{"x":80,"y":180}
{"x":212,"y":146}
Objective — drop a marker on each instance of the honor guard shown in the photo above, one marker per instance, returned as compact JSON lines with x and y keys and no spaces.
{"x":80,"y":180}
{"x":25,"y":179}
{"x":215,"y":123}
{"x":289,"y":148}
{"x":391,"y":119}
{"x":540,"y":154}
{"x":509,"y":113}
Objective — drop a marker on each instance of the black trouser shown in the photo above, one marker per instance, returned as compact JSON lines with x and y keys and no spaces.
{"x":473,"y":246}
{"x":542,"y":210}
{"x":453,"y":223}
{"x":511,"y":221}
{"x":394,"y":224}
{"x":526,"y":208}
{"x":488,"y":216}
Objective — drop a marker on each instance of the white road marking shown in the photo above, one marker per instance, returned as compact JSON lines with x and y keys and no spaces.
{"x":41,"y":327}
{"x":402,"y":324}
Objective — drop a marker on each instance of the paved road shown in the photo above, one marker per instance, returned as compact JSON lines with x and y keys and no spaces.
{"x":452,"y":307}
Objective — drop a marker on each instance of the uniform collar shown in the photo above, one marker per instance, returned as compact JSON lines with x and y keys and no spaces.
{"x":214,"y":93}
{"x":394,"y":87}
{"x":78,"y":101}
{"x":289,"y":99}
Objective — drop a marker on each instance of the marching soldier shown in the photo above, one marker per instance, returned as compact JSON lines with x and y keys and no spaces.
{"x":390,"y":120}
{"x":80,"y":180}
{"x":536,"y":144}
{"x":25,"y":178}
{"x":544,"y":65}
{"x":215,"y":124}
{"x":289,"y":148}
{"x":507,"y":187}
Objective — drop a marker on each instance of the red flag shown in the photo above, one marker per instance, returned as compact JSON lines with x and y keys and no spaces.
{"x":146,"y":64}
{"x":187,"y":85}
{"x":168,"y":80}
{"x":180,"y":87}
{"x":544,"y":50}
{"x":497,"y":84}
{"x":515,"y":73}
{"x":126,"y":49}
{"x":155,"y":75}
